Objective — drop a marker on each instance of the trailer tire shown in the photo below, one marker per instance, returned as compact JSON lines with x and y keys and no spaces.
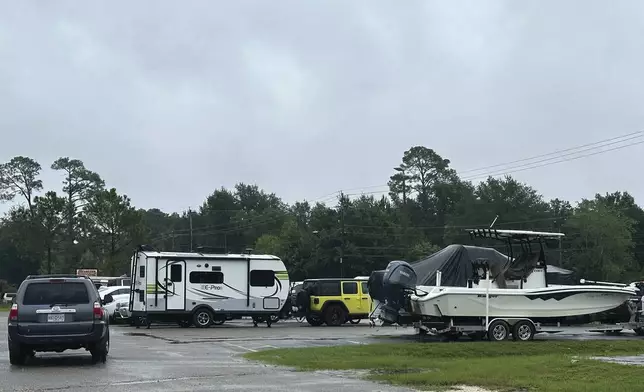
{"x":523,"y":330}
{"x":202,"y":318}
{"x":639,"y":331}
{"x":499,"y":330}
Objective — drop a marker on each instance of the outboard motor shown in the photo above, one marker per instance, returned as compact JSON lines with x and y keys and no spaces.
{"x":398,"y":280}
{"x":376,"y":292}
{"x":375,"y":285}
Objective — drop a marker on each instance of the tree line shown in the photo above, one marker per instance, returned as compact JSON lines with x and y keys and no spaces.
{"x":427,"y":205}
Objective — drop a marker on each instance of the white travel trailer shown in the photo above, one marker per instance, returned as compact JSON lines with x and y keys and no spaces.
{"x":206,"y":289}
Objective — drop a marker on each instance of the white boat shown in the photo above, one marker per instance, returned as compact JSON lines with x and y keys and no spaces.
{"x":492,"y":286}
{"x":539,"y":303}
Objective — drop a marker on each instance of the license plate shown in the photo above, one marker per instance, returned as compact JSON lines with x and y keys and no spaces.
{"x":55,"y":318}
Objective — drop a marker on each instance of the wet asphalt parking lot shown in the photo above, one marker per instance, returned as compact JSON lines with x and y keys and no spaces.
{"x":168,"y":358}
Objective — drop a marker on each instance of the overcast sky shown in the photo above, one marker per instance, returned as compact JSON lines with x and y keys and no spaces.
{"x":170,"y":100}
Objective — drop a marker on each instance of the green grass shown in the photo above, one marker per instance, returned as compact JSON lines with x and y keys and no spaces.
{"x":5,"y":308}
{"x":552,"y":366}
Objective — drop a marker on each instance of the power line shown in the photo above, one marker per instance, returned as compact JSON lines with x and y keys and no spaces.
{"x":552,"y":163}
{"x":633,"y":135}
{"x":533,"y":165}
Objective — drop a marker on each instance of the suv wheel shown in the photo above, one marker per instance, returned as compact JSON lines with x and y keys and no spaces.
{"x":335,"y":315}
{"x":17,"y":355}
{"x":202,"y":318}
{"x":100,"y":350}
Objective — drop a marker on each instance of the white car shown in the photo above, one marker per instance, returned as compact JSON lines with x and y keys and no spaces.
{"x":120,"y":294}
{"x":7,"y":298}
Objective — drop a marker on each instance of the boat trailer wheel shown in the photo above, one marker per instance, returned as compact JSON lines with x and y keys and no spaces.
{"x":499,"y":330}
{"x":523,"y":330}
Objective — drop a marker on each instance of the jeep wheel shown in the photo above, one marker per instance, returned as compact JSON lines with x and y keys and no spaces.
{"x":315,"y":321}
{"x":335,"y":316}
{"x":202,"y":318}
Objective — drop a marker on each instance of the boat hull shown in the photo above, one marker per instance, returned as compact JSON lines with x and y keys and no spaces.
{"x":544,"y":303}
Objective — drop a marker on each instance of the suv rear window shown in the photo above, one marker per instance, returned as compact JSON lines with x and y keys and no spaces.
{"x":68,"y":293}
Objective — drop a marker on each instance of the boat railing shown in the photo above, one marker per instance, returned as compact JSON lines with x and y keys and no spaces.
{"x":599,"y":283}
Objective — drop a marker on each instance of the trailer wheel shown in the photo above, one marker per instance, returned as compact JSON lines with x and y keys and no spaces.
{"x":523,"y":330}
{"x":499,"y":330}
{"x":639,"y":331}
{"x":202,"y":318}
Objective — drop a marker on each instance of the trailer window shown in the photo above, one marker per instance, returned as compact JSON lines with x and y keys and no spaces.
{"x":142,"y":271}
{"x":175,"y":272}
{"x":262,"y":278}
{"x":206,"y":277}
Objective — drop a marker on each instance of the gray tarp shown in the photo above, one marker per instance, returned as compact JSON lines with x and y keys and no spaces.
{"x":455,"y":264}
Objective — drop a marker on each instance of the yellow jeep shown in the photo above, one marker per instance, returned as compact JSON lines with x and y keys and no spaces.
{"x":333,"y":301}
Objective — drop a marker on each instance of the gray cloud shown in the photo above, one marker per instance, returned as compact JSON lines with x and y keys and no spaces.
{"x":168,"y":102}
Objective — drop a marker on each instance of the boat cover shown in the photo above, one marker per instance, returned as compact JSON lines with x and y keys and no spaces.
{"x":455,"y":263}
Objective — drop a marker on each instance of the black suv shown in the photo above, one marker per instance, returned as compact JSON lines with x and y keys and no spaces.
{"x":58,"y":313}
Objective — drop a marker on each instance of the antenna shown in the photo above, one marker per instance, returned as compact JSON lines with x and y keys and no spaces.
{"x":494,"y":221}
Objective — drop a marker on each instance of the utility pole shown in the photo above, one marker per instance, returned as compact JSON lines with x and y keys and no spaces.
{"x":401,"y":170}
{"x":560,"y":244}
{"x":342,"y":234}
{"x":190,"y":216}
{"x":404,"y":186}
{"x":172,"y":240}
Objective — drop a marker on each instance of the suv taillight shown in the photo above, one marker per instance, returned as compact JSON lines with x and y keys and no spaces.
{"x":13,"y":313}
{"x":98,"y":310}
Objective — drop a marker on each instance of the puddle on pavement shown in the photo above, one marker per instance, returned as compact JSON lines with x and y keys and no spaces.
{"x":637,"y":360}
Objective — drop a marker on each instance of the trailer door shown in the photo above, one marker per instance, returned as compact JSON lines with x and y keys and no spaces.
{"x":139,"y":283}
{"x":176,"y":285}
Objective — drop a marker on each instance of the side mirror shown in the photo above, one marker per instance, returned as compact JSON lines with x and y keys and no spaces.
{"x":108,"y":298}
